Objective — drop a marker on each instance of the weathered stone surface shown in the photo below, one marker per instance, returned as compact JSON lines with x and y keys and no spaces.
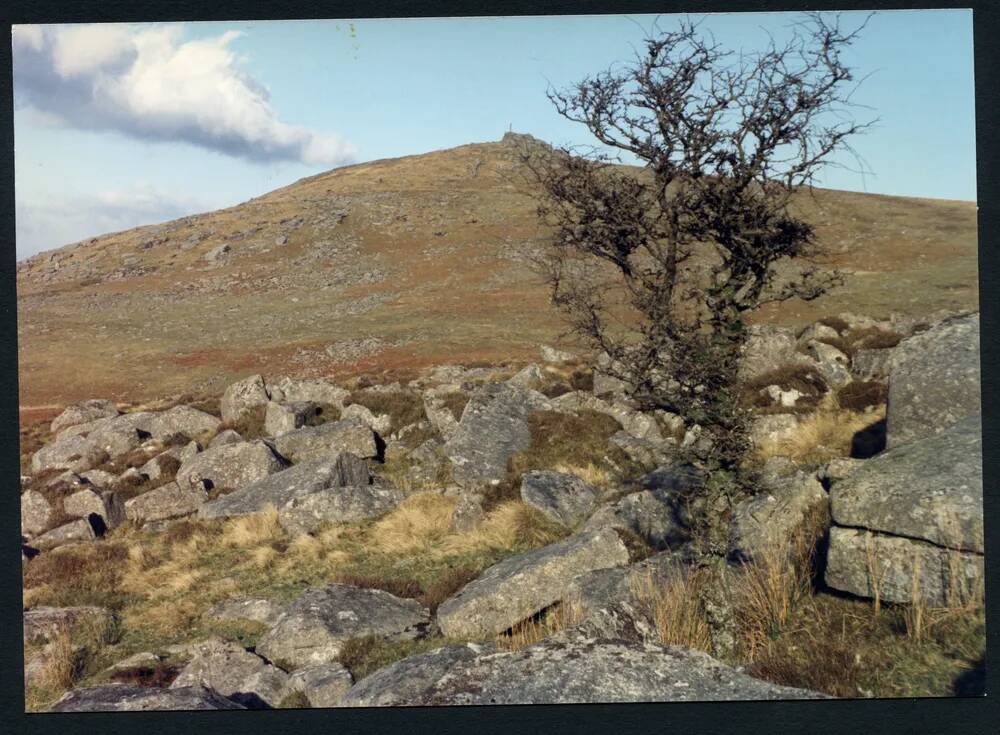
{"x":230,"y":467}
{"x":860,"y":562}
{"x":280,"y":418}
{"x":764,"y":523}
{"x":83,"y":412}
{"x":832,"y":364}
{"x":527,"y":377}
{"x":769,"y":348}
{"x":520,"y":586}
{"x":493,"y":428}
{"x":35,"y":513}
{"x":256,"y":609}
{"x":324,"y":685}
{"x":98,"y":478}
{"x":315,"y":626}
{"x":563,"y":498}
{"x":167,"y":501}
{"x":404,"y":682}
{"x":468,"y":512}
{"x":75,"y":453}
{"x":234,"y":673}
{"x":41,"y":623}
{"x":141,"y":660}
{"x":773,"y":428}
{"x":282,"y":487}
{"x":338,"y":505}
{"x":564,"y":669}
{"x":162,"y":467}
{"x":327,"y":441}
{"x":871,"y":364}
{"x":934,"y":380}
{"x":655,"y":516}
{"x":380,"y":424}
{"x":182,"y":420}
{"x":316,"y":390}
{"x":226,"y":436}
{"x":243,"y":397}
{"x":69,"y":533}
{"x":130,"y":698}
{"x":643,"y":452}
{"x":439,"y":414}
{"x":107,"y":505}
{"x":817,"y":331}
{"x":930,"y":489}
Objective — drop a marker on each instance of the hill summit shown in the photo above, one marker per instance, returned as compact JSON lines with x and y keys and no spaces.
{"x":393,"y":265}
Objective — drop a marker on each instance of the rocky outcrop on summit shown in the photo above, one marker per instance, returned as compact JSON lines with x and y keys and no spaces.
{"x":520,"y":586}
{"x":166,"y":502}
{"x":934,"y":380}
{"x":313,"y":629}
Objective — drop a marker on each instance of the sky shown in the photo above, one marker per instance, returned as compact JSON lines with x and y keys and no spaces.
{"x":122,"y":125}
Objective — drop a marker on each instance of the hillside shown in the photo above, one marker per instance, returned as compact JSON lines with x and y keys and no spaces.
{"x":392,"y":265}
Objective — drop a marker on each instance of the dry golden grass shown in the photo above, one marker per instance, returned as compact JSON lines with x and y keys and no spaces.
{"x":591,"y":473}
{"x":674,"y":603}
{"x":822,"y":435}
{"x":550,"y":621}
{"x":419,"y":523}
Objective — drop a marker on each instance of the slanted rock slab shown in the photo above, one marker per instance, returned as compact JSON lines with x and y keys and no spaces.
{"x":493,"y":428}
{"x":282,"y":487}
{"x":83,"y":412}
{"x":256,"y":609}
{"x":568,"y":669}
{"x":130,"y":698}
{"x":35,"y":513}
{"x":934,"y":380}
{"x":313,"y":629}
{"x":75,"y":532}
{"x":772,"y":518}
{"x":306,"y":513}
{"x":520,"y":586}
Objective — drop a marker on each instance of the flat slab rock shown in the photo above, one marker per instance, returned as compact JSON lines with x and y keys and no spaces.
{"x":930,"y":489}
{"x":129,"y":698}
{"x":326,"y":441}
{"x":520,"y":586}
{"x":165,"y":502}
{"x":314,"y":627}
{"x":566,"y":669}
{"x":861,"y":562}
{"x":282,"y":487}
{"x":934,"y":380}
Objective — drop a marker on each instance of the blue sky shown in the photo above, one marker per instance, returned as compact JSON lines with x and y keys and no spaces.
{"x":117,"y":126}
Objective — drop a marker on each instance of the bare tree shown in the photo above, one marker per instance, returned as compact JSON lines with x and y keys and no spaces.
{"x":660,"y":268}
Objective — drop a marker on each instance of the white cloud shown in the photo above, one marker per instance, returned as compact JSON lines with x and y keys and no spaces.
{"x":54,"y":222}
{"x":151,"y":84}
